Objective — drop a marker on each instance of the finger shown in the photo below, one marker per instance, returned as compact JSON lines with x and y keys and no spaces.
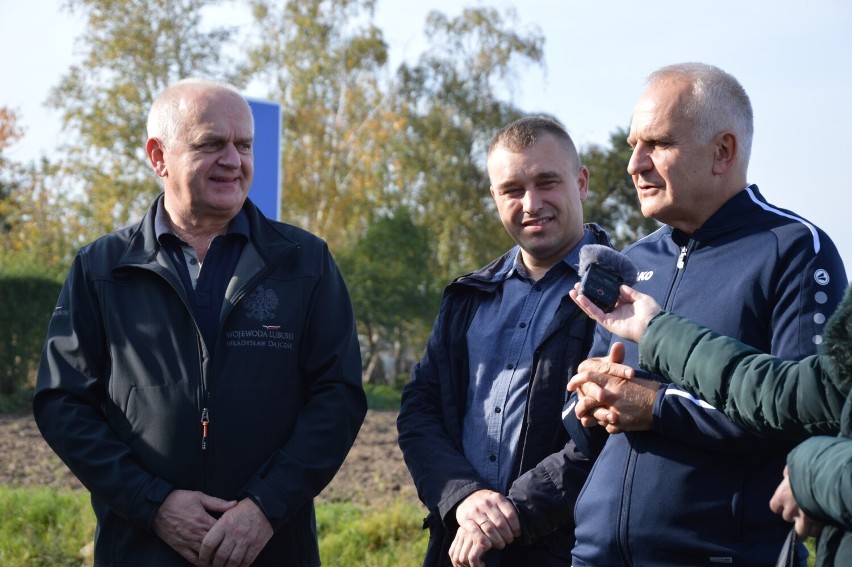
{"x":453,"y":551}
{"x":604,"y":416}
{"x":213,"y":504}
{"x":589,"y":308}
{"x":593,"y":365}
{"x":210,"y":545}
{"x":581,"y":379}
{"x":584,"y":407}
{"x":616,"y":352}
{"x":494,"y":535}
{"x":510,"y":514}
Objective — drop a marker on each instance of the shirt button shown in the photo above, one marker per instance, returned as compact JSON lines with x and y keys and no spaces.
{"x":492,"y":458}
{"x":522,"y":325}
{"x":509,"y":366}
{"x":193,"y":261}
{"x":497,"y":410}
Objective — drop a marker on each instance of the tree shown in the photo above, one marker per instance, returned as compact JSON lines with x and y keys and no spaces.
{"x":10,"y":132}
{"x":132,"y":49}
{"x":612,"y":201}
{"x":452,"y":101}
{"x":324,"y":62}
{"x":36,"y":230}
{"x":393,"y":292}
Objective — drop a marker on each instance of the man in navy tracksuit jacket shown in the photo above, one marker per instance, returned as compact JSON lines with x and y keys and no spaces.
{"x":683,"y":485}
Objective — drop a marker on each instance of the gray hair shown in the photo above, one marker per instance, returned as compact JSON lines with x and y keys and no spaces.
{"x":718,"y":103}
{"x":164,"y":118}
{"x":522,"y":134}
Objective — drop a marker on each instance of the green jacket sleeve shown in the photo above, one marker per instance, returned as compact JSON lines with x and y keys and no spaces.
{"x":789,"y":399}
{"x":820,"y":471}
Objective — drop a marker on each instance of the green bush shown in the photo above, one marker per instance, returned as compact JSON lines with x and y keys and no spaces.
{"x":28,"y":302}
{"x":383,"y":396}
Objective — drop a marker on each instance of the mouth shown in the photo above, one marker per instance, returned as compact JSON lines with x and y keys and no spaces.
{"x":646,"y":185}
{"x":536,"y":222}
{"x":224,"y":179}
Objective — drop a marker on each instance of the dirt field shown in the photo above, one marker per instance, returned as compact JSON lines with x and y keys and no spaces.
{"x":373,"y":471}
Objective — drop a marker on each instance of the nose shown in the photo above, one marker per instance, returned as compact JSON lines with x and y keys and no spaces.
{"x":230,"y":156}
{"x":531,"y":201}
{"x":640,"y":161}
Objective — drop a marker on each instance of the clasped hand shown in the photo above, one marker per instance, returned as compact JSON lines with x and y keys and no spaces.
{"x":186,"y":522}
{"x":487,"y":520}
{"x":609,"y":394}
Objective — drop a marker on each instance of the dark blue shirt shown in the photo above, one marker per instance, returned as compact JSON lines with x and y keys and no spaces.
{"x":205,"y":284}
{"x":501,"y":341}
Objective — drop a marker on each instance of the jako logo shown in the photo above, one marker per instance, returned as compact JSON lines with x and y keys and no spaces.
{"x":644,"y":276}
{"x":822,"y":277}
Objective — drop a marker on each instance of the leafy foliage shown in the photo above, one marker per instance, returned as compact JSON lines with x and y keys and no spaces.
{"x":326,"y":73}
{"x":393,"y":291}
{"x":387,"y":165}
{"x":132,"y":50}
{"x":451,"y":98}
{"x":28,"y":304}
{"x":612,"y":201}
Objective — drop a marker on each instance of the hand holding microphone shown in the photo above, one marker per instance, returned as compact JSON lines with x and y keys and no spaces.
{"x":623,"y":311}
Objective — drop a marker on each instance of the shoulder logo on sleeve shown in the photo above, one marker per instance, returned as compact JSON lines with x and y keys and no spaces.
{"x":821,"y":277}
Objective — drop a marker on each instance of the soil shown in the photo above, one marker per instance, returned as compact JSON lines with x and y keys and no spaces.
{"x":373,"y":471}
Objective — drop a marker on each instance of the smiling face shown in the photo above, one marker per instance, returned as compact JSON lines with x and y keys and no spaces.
{"x":539,"y":192}
{"x":208,"y":168}
{"x":672,"y":170}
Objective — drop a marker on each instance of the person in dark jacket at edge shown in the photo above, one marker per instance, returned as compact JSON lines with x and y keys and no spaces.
{"x":686,"y":485}
{"x":805,"y":400}
{"x":201,"y":374}
{"x":480,"y":426}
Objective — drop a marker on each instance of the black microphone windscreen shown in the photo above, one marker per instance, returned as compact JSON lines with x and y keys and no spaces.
{"x":609,"y":259}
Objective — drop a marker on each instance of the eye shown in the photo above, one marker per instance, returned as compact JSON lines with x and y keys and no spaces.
{"x":512,"y":192}
{"x":209,"y":146}
{"x":244,"y":148}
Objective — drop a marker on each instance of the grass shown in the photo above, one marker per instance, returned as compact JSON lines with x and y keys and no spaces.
{"x":386,"y":536}
{"x":44,"y":527}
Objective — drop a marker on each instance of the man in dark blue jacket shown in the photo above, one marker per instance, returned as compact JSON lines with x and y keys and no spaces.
{"x":201,"y":374}
{"x":684,"y":485}
{"x":480,"y":425}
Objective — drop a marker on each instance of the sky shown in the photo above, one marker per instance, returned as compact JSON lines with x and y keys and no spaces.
{"x":794,"y":58}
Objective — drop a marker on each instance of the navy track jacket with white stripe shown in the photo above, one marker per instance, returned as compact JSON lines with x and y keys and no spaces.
{"x":695,"y":489}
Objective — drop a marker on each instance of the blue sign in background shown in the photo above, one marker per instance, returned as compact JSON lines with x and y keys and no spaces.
{"x":265,"y":190}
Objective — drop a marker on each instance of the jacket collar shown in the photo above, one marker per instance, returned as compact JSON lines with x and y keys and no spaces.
{"x":735,"y":213}
{"x":270,"y":238}
{"x":488,"y":277}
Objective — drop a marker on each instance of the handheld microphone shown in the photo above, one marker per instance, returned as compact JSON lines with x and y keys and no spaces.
{"x":603,"y":271}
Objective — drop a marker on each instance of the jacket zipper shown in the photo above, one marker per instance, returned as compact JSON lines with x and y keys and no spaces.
{"x":681,"y":260}
{"x":205,"y":421}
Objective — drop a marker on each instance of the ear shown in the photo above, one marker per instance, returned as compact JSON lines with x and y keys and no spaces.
{"x":725,"y":155}
{"x":156,"y":156}
{"x":583,"y":182}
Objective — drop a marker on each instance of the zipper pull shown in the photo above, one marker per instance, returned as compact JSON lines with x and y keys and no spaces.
{"x":681,"y":260}
{"x":205,"y":420}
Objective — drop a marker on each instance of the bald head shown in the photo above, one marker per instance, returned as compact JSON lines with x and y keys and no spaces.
{"x":174,"y":106}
